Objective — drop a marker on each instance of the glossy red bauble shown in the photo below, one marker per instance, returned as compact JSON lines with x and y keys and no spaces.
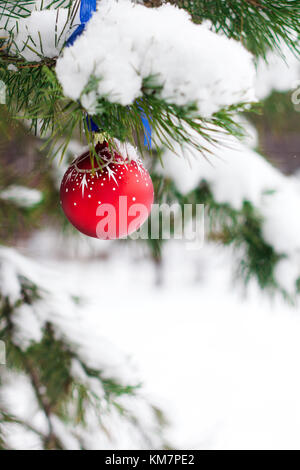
{"x":108,"y":199}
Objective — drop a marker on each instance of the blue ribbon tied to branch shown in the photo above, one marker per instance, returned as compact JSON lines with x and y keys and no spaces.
{"x":87,"y":8}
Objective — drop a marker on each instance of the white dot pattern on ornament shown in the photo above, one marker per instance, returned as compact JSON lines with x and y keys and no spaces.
{"x":111,"y":170}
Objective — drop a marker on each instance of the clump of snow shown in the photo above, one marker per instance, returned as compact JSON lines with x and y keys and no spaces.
{"x":76,"y":246}
{"x":125,"y":43}
{"x":127,"y":150}
{"x":10,"y":398}
{"x":220,"y":165}
{"x":89,"y":102}
{"x":279,"y":73}
{"x":21,"y":196}
{"x":71,"y":323}
{"x":42,"y":34}
{"x":12,"y":68}
{"x":27,"y":326}
{"x":281,"y":226}
{"x":236,"y":174}
{"x":2,"y":92}
{"x":9,"y":282}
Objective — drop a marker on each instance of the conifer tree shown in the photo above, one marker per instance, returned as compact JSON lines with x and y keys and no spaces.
{"x":175,"y":79}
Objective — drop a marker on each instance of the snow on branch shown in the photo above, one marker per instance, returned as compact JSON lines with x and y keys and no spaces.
{"x":126,"y":45}
{"x":39,"y":316}
{"x":38,"y":36}
{"x":236,"y":175}
{"x":21,"y":196}
{"x":53,"y":303}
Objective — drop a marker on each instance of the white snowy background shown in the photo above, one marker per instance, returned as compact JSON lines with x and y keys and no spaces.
{"x":222,"y":367}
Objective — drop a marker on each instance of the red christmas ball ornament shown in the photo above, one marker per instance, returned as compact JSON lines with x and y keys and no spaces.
{"x":107,"y":199}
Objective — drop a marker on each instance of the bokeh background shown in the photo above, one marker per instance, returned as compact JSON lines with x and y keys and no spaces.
{"x":192,"y":354}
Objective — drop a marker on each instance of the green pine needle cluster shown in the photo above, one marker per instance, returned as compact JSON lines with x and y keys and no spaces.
{"x":47,"y":364}
{"x":239,"y":229}
{"x":34,"y":94}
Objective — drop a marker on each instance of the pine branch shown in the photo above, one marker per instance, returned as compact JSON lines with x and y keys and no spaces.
{"x":51,"y":441}
{"x":15,"y":8}
{"x":260,"y":24}
{"x":241,"y":229}
{"x":7,"y":418}
{"x":33,"y":93}
{"x":48,"y":365}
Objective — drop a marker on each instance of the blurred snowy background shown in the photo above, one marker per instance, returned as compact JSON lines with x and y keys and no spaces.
{"x":217,"y":363}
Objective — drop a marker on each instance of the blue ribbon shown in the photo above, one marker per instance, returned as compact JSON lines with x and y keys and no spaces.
{"x":147,"y":129}
{"x":87,"y":8}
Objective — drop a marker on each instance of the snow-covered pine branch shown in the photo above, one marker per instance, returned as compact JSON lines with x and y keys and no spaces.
{"x":126,"y":44}
{"x":40,"y":35}
{"x":21,"y":196}
{"x":83,"y":395}
{"x":238,"y":175}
